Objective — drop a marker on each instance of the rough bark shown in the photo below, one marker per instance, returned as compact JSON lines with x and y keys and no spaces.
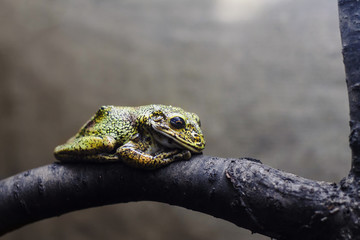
{"x":243,"y":191}
{"x":349,"y":16}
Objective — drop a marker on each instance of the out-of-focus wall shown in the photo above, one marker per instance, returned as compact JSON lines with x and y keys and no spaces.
{"x":266,"y":78}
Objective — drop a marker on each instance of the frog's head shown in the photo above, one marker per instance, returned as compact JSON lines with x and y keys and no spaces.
{"x":176,"y":128}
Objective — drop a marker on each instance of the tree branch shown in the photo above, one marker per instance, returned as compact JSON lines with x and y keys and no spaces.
{"x":349,"y":12}
{"x":243,"y":191}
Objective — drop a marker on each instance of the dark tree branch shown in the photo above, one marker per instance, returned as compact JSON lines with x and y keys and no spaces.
{"x":245,"y":192}
{"x":242,"y":191}
{"x":349,"y":16}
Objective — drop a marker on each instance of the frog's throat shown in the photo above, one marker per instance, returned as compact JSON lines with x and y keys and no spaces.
{"x":163,"y":138}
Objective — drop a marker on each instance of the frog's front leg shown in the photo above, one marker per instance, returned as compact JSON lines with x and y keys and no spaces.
{"x":133,"y":154}
{"x":87,"y":148}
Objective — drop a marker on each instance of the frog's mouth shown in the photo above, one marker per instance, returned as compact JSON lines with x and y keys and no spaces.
{"x":169,"y":141}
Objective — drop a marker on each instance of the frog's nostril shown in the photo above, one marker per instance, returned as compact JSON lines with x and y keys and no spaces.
{"x":195,"y":135}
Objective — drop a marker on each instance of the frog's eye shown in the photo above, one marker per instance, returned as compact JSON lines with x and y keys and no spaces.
{"x":177,"y":122}
{"x":199,"y":122}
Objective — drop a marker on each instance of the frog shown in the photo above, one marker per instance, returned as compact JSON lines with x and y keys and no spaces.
{"x":147,"y":137}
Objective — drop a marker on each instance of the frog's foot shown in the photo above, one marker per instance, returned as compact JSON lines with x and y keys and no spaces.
{"x":173,"y":155}
{"x":137,"y":158}
{"x":183,"y":155}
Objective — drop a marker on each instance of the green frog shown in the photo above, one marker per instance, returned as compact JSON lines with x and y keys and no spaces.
{"x":146,"y":137}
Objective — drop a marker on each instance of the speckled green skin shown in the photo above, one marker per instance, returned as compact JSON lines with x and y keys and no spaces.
{"x":143,"y":137}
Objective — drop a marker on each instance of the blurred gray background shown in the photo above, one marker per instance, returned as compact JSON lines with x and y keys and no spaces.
{"x":265,"y":76}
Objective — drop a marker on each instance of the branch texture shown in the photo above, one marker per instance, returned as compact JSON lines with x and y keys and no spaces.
{"x":349,"y":12}
{"x":243,"y":191}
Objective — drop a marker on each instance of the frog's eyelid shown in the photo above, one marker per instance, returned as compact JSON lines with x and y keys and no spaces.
{"x":157,"y":118}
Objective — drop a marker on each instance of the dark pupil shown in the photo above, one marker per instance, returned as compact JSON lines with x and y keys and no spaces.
{"x":177,"y":122}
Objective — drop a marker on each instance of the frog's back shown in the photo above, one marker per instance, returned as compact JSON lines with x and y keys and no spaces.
{"x":117,"y":122}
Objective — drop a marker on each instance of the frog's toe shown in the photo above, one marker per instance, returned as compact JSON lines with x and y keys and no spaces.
{"x":187,"y":155}
{"x":184,"y":155}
